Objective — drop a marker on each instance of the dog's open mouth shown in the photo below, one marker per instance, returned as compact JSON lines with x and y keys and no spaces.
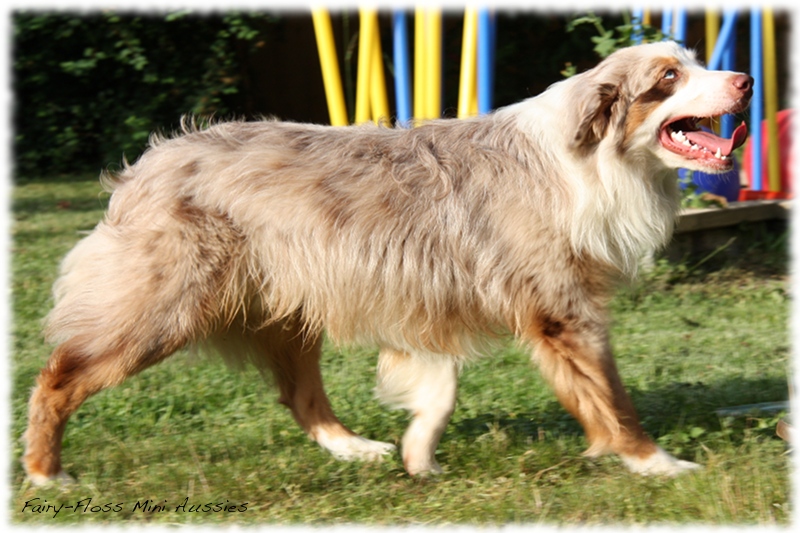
{"x":685,"y":138}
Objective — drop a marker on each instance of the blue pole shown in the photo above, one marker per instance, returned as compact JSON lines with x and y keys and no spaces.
{"x":680,"y":25}
{"x":486,"y":45}
{"x":756,"y":109}
{"x":666,"y":23}
{"x":728,"y":63}
{"x":402,"y":78}
{"x":638,"y":17}
{"x":725,"y":34}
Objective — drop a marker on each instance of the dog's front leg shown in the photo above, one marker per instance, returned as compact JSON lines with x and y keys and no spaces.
{"x":426,"y":386}
{"x":576,"y":359}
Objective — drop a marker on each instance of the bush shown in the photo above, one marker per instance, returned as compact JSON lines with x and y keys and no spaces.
{"x":77,"y":79}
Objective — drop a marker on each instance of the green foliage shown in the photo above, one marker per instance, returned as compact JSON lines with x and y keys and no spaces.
{"x":89,"y":87}
{"x":606,"y":42}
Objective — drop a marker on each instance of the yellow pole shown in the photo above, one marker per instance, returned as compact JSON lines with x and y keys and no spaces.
{"x":467,"y":93}
{"x":330,"y":67}
{"x":433,"y":63}
{"x":473,"y":103}
{"x":366,"y":34}
{"x":377,"y":84}
{"x":771,"y":100}
{"x":712,"y":31}
{"x":419,"y":64}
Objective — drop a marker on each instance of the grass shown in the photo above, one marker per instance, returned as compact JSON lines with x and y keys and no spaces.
{"x":688,"y":341}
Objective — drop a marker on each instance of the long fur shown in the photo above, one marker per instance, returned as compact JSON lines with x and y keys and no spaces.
{"x":426,"y":242}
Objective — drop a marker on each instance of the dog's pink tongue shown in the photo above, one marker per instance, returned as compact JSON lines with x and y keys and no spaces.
{"x":713,"y":143}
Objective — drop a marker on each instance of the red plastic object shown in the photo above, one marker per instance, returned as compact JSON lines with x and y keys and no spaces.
{"x":784,"y":120}
{"x":748,"y":194}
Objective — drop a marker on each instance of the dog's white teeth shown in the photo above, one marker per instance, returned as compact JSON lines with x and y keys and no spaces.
{"x":678,"y":136}
{"x":717,"y":154}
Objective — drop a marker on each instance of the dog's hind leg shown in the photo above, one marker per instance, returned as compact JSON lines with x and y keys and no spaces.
{"x":576,"y":358}
{"x":292,"y":354}
{"x":71,"y":375}
{"x":426,"y":386}
{"x":129,"y":295}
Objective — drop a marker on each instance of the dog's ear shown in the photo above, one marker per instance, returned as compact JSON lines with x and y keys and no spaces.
{"x":594,"y":114}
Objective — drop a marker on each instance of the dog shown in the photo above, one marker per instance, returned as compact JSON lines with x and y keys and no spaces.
{"x":429,"y":243}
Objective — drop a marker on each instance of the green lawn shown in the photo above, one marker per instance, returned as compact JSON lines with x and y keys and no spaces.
{"x":687,"y":343}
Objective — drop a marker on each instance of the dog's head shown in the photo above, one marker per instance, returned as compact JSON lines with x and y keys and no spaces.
{"x":650,"y":99}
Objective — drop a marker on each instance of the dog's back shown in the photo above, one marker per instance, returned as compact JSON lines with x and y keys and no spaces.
{"x":406,"y":238}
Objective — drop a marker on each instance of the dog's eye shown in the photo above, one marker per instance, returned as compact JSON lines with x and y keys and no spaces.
{"x":671,"y":74}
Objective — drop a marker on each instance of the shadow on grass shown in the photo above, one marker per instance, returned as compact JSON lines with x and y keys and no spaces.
{"x":668,"y":409}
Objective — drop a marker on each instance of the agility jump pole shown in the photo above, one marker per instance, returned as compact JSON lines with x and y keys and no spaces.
{"x":476,"y":87}
{"x":764,"y":103}
{"x":639,"y":17}
{"x":330,"y":67}
{"x":477,"y":77}
{"x":371,"y":99}
{"x":427,"y":63}
{"x":419,"y":64}
{"x":763,"y":68}
{"x":666,"y":23}
{"x":402,"y":74}
{"x":723,"y":55}
{"x":756,"y":103}
{"x":712,"y":30}
{"x":366,"y":33}
{"x":379,"y":102}
{"x":468,"y":81}
{"x":771,"y":100}
{"x":487,"y":31}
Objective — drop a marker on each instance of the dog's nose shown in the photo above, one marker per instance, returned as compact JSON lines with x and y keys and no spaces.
{"x":743,"y":82}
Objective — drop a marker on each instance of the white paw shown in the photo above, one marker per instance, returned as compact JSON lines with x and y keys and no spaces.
{"x":421,"y":468}
{"x":60,"y":479}
{"x":659,"y":463}
{"x":354,"y":447}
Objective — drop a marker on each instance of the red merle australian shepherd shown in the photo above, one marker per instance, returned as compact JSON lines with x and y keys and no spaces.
{"x":254,"y":238}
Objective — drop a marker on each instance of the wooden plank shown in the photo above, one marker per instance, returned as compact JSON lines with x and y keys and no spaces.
{"x":735,"y":213}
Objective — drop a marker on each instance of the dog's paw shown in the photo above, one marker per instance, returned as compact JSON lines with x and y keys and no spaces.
{"x":62,"y":479}
{"x":425,"y":470}
{"x":355,"y":448}
{"x":660,"y":463}
{"x":421,"y":466}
